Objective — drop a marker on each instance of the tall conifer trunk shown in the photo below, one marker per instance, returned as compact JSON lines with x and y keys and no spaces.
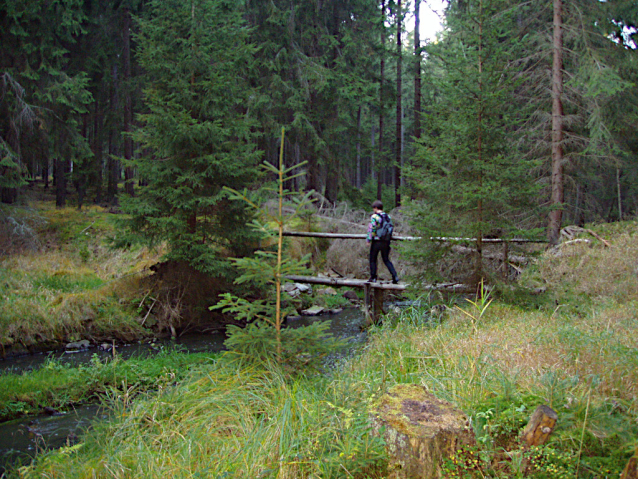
{"x":381,"y":104}
{"x":128,"y":106}
{"x":357,"y":179}
{"x":556,"y":215}
{"x":479,"y":148}
{"x":397,"y":165}
{"x":417,"y":71}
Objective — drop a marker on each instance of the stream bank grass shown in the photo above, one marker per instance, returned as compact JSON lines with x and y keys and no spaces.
{"x":72,"y":285}
{"x":230,"y":422}
{"x":61,"y":386}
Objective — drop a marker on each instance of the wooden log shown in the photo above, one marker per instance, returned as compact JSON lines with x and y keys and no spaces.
{"x":350,"y":283}
{"x":631,"y":469}
{"x":377,"y":305}
{"x":506,"y":257}
{"x":361,"y":283}
{"x":367,"y":307}
{"x":312,"y":234}
{"x":540,"y":426}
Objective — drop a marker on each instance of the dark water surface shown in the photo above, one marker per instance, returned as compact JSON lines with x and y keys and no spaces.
{"x":23,"y":438}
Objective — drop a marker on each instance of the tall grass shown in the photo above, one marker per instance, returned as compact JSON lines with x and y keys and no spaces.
{"x":577,"y":356}
{"x":61,"y":386}
{"x":73,"y":285}
{"x":229,"y":422}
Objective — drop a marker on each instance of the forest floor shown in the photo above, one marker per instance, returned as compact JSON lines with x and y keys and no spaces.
{"x":574,"y":348}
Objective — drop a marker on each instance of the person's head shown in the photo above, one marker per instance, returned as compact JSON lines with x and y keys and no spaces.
{"x":377,"y":206}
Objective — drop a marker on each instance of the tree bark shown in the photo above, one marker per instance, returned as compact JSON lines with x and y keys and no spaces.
{"x":357,"y":180}
{"x":479,"y":233}
{"x":381,"y":104}
{"x":556,"y":215}
{"x":397,"y":165}
{"x":540,"y":426}
{"x":417,"y":71}
{"x":96,"y":148}
{"x":61,"y":172}
{"x":128,"y":106}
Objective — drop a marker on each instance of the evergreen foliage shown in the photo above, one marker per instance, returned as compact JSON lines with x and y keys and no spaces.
{"x":264,"y":339}
{"x":197,"y":133}
{"x":467,"y":177}
{"x":41,"y":95}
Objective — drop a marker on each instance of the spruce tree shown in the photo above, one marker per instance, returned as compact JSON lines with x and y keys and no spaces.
{"x":467,"y":179}
{"x":197,"y":133}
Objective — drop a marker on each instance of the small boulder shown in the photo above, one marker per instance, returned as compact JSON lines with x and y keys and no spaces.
{"x":420,"y":431}
{"x":79,"y":345}
{"x":351,"y":295}
{"x":335,"y":311}
{"x":313,"y":311}
{"x":327,"y":292}
{"x":304,"y":288}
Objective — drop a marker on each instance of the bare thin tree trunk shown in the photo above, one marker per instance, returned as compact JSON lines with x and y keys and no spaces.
{"x":128,"y":106}
{"x":381,"y":104}
{"x":479,"y":147}
{"x":397,"y":165}
{"x":372,"y":137}
{"x":357,"y":180}
{"x":556,"y":215}
{"x":619,"y":195}
{"x":417,"y":71}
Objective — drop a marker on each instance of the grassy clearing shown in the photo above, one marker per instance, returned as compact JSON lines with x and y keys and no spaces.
{"x":62,"y":386}
{"x":72,"y":284}
{"x":576,"y":350}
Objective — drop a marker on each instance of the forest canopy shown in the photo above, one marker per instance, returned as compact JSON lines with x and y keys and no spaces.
{"x":518,"y":111}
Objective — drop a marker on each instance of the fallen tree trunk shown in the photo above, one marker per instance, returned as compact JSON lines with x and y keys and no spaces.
{"x":501,"y":257}
{"x":312,"y":234}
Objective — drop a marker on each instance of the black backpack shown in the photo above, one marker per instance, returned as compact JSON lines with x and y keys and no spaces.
{"x":385,"y":230}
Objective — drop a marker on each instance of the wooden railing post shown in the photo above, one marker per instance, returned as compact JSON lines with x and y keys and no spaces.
{"x":367,"y":307}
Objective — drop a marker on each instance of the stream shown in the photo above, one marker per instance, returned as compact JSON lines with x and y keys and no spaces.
{"x":22,"y":438}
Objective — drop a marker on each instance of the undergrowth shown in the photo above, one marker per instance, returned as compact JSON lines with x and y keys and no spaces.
{"x":61,"y":386}
{"x":73,"y":284}
{"x":575,"y":352}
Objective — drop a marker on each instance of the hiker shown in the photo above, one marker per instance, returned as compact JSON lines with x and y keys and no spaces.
{"x":379,"y":237}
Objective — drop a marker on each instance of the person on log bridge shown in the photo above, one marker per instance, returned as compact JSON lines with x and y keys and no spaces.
{"x":379,"y":237}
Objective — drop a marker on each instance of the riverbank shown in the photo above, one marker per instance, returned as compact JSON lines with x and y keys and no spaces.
{"x":574,"y":349}
{"x":60,"y":281}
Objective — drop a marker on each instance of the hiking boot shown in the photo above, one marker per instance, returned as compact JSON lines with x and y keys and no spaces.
{"x":372,"y":280}
{"x":395,"y":280}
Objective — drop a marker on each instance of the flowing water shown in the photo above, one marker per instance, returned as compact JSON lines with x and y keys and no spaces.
{"x":23,"y":438}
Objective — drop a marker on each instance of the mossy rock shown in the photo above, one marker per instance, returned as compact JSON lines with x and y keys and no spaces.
{"x":420,"y":431}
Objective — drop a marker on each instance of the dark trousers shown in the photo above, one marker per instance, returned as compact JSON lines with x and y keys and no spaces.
{"x":384,"y":248}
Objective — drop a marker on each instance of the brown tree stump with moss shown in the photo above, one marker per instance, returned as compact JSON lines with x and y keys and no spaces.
{"x":631,"y":469}
{"x":540,"y":426}
{"x":420,"y":431}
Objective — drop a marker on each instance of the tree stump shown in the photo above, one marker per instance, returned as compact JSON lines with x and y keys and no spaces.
{"x":540,"y":426}
{"x":420,"y":431}
{"x":631,"y":469}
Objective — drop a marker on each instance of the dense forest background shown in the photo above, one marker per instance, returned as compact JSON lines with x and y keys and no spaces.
{"x":521,"y":115}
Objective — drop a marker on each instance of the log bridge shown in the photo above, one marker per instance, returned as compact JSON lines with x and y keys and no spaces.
{"x":373,"y":292}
